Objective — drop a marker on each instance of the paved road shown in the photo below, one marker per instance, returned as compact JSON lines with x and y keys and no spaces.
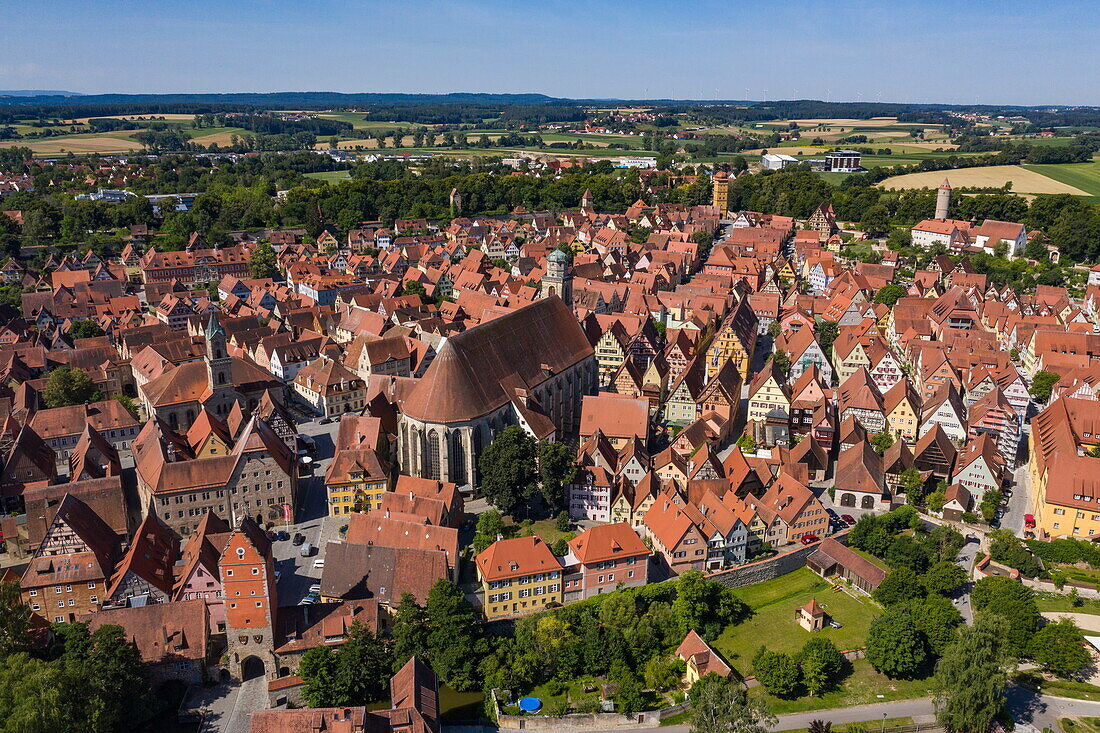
{"x":228,"y":705}
{"x":1024,"y":705}
{"x":965,"y":560}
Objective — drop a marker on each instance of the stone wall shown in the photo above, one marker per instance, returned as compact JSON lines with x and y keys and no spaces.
{"x":769,"y":568}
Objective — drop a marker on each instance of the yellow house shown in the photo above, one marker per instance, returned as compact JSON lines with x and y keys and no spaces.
{"x":735,"y":341}
{"x":1064,"y":477}
{"x":700,"y":659}
{"x":902,"y":412}
{"x":208,"y":436}
{"x":848,"y":356}
{"x":611,"y":351}
{"x":356,"y":481}
{"x":518,"y":576}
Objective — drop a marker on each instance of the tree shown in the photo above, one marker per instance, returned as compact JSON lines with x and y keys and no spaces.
{"x":102,"y":676}
{"x":509,"y":474}
{"x":557,"y":469}
{"x":413,"y":287}
{"x":562,"y":522}
{"x":778,"y":672}
{"x":1060,"y":648}
{"x":410,"y":631}
{"x":454,"y":642}
{"x":774,"y":329}
{"x":822,"y":664}
{"x":85,"y":329}
{"x":826,"y":331}
{"x":943,"y":578}
{"x":895,"y":647}
{"x":262,"y":263}
{"x":629,"y":698}
{"x":15,"y":618}
{"x":719,"y":705}
{"x":1042,"y":384}
{"x":70,"y":386}
{"x":881,"y":441}
{"x":781,"y":361}
{"x":355,"y":673}
{"x":663,"y":672}
{"x":490,"y":526}
{"x":937,"y":618}
{"x":890,"y":294}
{"x":704,"y":606}
{"x":971,"y":678}
{"x":747,"y":444}
{"x":912,"y":484}
{"x":900,"y":585}
{"x":1013,"y":601}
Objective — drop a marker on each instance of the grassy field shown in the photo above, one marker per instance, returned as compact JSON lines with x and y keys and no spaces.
{"x":1084,"y":176}
{"x":330,"y":175}
{"x":774,"y":624}
{"x":1023,"y":180}
{"x":844,"y":727}
{"x":107,"y":142}
{"x":1081,"y":576}
{"x":862,"y":687}
{"x":1060,"y":603}
{"x":1059,"y":688}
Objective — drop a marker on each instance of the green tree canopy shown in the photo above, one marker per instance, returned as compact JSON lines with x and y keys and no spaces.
{"x":705,"y":605}
{"x":890,"y":294}
{"x":355,"y":673}
{"x":719,"y":705}
{"x":85,"y":329}
{"x":901,"y":584}
{"x":1060,"y":648}
{"x":822,"y":664}
{"x":1042,"y":384}
{"x":778,"y":672}
{"x":70,"y":386}
{"x":895,"y":646}
{"x":262,"y":262}
{"x":971,"y":677}
{"x":454,"y":636}
{"x":943,"y":578}
{"x":509,"y":471}
{"x":1014,"y":602}
{"x":557,"y":468}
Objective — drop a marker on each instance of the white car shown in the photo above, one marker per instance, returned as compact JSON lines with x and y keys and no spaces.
{"x":315,"y":588}
{"x":319,"y":563}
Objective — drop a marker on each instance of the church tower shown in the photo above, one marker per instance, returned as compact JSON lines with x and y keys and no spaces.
{"x":247,"y":571}
{"x":943,"y":199}
{"x":721,"y":193}
{"x":219,"y":365}
{"x":558,"y":280}
{"x":586,"y":199}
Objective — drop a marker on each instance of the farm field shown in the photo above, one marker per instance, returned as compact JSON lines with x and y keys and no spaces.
{"x":116,"y":142}
{"x":774,"y":625}
{"x":1085,"y":176}
{"x":1023,"y":180}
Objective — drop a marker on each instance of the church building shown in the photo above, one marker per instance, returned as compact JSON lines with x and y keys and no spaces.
{"x":529,"y":368}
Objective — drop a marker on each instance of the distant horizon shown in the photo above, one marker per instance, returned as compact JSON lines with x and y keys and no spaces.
{"x":930,"y":52}
{"x":71,"y":94}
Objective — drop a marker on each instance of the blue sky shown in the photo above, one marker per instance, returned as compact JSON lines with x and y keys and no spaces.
{"x":964,"y":51}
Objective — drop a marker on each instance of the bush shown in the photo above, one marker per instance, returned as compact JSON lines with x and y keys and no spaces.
{"x":1065,"y":551}
{"x":1007,"y":549}
{"x":777,"y":672}
{"x":556,"y":708}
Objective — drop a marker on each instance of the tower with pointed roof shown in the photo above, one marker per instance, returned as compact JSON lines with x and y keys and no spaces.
{"x":943,"y":199}
{"x":586,"y":199}
{"x":219,"y":365}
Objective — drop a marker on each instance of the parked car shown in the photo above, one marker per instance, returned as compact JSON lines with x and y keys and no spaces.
{"x":848,"y":519}
{"x":284,"y":535}
{"x":809,"y":539}
{"x":278,"y":575}
{"x":315,"y":588}
{"x":319,"y":563}
{"x":272,"y":536}
{"x":324,"y":420}
{"x":299,"y":538}
{"x":307,"y":550}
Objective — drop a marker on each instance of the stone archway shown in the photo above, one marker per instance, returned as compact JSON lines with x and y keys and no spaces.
{"x":252,"y":667}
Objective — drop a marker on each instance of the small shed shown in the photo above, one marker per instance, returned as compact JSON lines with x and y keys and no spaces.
{"x":832,"y":558}
{"x":812,"y":616}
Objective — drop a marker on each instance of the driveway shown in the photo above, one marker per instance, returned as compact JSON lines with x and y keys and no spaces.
{"x":965,"y":560}
{"x":1018,"y":503}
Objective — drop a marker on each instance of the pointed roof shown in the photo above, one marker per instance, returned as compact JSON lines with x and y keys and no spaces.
{"x":151,"y":557}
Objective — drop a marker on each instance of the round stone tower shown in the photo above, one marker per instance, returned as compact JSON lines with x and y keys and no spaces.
{"x":943,"y":199}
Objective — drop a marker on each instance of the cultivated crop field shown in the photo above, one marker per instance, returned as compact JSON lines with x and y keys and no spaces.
{"x":1085,"y":176}
{"x":105,"y":143}
{"x":1023,"y":180}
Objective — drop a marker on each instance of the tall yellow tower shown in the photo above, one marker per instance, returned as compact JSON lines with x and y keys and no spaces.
{"x":721,"y":192}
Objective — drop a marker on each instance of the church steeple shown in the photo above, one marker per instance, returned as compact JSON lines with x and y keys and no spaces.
{"x":218,"y":361}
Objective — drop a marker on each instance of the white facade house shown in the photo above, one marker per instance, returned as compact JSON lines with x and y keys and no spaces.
{"x":777,"y":161}
{"x":637,"y":163}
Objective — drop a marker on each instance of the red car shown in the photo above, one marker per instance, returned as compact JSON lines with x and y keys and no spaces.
{"x":809,"y":539}
{"x":847,"y":519}
{"x":1029,"y":521}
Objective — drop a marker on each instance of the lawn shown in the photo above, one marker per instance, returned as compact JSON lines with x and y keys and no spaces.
{"x":1085,"y":176}
{"x":1059,"y":688}
{"x":862,"y":687}
{"x":1079,"y":725}
{"x":330,"y":176}
{"x":1081,"y":576}
{"x":774,"y":624}
{"x":460,"y":705}
{"x":844,"y":727}
{"x":1057,"y":602}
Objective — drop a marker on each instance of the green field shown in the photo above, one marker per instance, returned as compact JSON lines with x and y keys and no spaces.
{"x":773,"y":622}
{"x":1085,"y":176}
{"x":330,"y":176}
{"x":1080,"y":725}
